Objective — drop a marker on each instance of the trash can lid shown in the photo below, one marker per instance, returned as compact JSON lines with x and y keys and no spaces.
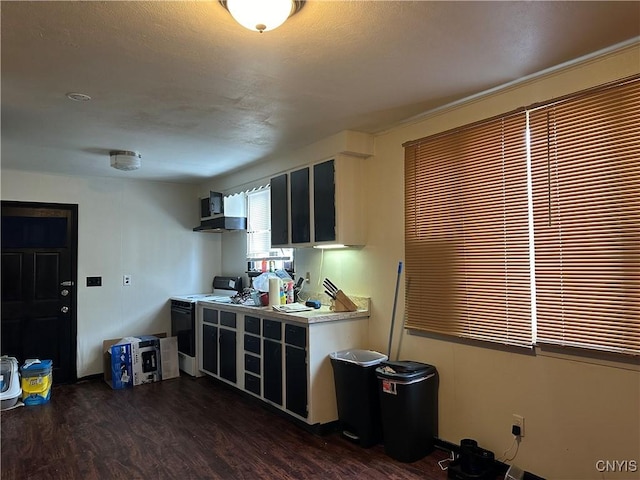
{"x":364,"y":358}
{"x":36,"y":366}
{"x":404,"y":369}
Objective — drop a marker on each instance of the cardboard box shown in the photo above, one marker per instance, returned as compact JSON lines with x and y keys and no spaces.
{"x":133,"y":361}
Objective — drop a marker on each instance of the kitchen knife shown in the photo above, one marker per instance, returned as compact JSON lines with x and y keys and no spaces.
{"x":329,"y":286}
{"x":330,"y":294}
{"x":333,"y":287}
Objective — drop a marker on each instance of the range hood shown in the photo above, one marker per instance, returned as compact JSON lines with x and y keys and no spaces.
{"x":222,"y":224}
{"x":232,"y":215}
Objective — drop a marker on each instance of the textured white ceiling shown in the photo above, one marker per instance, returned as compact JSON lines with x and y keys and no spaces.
{"x":198,"y":95}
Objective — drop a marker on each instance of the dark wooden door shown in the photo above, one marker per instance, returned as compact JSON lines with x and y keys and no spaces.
{"x":39,"y":255}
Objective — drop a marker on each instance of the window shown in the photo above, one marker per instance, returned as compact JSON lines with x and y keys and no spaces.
{"x":585,"y":159}
{"x":466,"y":232}
{"x":258,"y":223}
{"x":517,"y":241}
{"x":259,"y":250}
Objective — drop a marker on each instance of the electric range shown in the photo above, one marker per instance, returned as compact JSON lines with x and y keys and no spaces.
{"x":183,"y":319}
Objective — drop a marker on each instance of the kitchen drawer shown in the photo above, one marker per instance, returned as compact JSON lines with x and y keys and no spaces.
{"x":252,"y":325}
{"x":272,"y":329}
{"x":295,"y":335}
{"x":252,"y":383}
{"x":252,"y":344}
{"x":251,"y":363}
{"x":228,"y":319}
{"x":209,"y":315}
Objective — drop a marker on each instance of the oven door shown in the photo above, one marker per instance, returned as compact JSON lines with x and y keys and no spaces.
{"x":183,"y":326}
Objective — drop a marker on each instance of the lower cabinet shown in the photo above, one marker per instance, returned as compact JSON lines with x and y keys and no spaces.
{"x":272,"y":360}
{"x":210,"y":348}
{"x":219,"y":343}
{"x":282,"y":362}
{"x":228,"y":362}
{"x":296,"y":374}
{"x":272,"y":375}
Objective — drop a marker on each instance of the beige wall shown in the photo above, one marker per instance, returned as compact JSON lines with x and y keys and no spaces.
{"x":576,"y":412}
{"x":143,"y":229}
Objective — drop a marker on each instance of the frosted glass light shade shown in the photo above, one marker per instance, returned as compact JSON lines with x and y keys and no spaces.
{"x":260,"y":15}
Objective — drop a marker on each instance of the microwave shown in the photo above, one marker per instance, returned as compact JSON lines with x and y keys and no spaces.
{"x":211,"y":206}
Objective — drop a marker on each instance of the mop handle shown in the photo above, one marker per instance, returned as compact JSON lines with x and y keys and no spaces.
{"x":393,"y":313}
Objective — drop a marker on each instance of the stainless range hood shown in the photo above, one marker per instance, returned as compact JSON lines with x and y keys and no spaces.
{"x":233,"y":215}
{"x":222,"y":224}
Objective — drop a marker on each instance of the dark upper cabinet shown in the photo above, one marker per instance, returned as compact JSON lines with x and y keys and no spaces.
{"x":279,"y":210}
{"x":324,"y":206}
{"x":300,"y":207}
{"x":321,"y":204}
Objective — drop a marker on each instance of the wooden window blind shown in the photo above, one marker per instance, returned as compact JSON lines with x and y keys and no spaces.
{"x":466,"y":232}
{"x":585,"y":160}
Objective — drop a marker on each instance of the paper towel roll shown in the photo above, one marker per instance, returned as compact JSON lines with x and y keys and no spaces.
{"x":274,"y":291}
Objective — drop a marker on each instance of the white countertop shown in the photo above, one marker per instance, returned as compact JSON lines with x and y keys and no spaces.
{"x":322,"y":314}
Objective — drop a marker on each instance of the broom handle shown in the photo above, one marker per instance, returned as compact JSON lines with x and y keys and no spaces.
{"x":393,"y":314}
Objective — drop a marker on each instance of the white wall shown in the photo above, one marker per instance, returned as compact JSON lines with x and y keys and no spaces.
{"x":577,"y":410}
{"x":126,"y":227}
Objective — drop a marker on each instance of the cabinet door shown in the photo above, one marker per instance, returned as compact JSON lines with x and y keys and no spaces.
{"x":300,"y":207}
{"x":210,"y":348}
{"x":272,"y":374}
{"x":296,"y":374}
{"x":279,"y":211}
{"x":228,"y":354}
{"x":324,"y":197}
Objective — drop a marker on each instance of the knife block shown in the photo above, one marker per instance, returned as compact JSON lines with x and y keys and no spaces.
{"x":343,"y":303}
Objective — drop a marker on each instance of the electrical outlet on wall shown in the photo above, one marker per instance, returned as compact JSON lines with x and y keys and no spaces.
{"x":517,"y":421}
{"x":126,"y":280}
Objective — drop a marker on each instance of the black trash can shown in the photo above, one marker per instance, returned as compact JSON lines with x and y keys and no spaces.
{"x":409,"y":406}
{"x":354,"y":373}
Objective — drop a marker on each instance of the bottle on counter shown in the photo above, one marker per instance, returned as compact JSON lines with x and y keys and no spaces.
{"x":290,"y":296}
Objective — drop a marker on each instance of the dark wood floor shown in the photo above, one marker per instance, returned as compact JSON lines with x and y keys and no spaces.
{"x":180,"y":429}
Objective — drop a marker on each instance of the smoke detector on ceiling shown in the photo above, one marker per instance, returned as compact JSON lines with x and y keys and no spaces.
{"x":125,"y":160}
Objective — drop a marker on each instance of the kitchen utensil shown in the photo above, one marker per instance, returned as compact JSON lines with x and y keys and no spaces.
{"x":343,"y":303}
{"x":393,"y":314}
{"x":329,"y":285}
{"x":331,"y":288}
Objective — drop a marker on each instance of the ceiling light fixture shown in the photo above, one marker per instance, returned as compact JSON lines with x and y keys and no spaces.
{"x":125,"y":160}
{"x":262,"y":15}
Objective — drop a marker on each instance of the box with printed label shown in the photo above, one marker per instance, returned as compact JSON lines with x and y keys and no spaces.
{"x":133,"y":361}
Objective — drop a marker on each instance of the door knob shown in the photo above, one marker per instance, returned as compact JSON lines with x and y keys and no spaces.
{"x":64,"y":292}
{"x":64,"y":309}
